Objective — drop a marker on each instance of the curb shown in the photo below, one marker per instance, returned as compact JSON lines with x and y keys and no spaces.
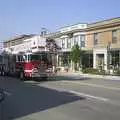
{"x":117,"y":78}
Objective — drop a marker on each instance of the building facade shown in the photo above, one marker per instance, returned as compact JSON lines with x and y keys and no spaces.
{"x":16,"y":44}
{"x":103,"y":38}
{"x":66,"y":38}
{"x":100,"y":42}
{"x":25,"y":43}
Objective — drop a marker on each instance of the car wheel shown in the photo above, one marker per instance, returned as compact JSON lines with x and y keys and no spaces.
{"x":44,"y":78}
{"x":3,"y":73}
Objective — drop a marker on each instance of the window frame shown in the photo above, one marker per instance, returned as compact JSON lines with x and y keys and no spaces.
{"x":96,"y":38}
{"x":63,"y":43}
{"x":68,"y":42}
{"x":114,"y":36}
{"x":82,"y":40}
{"x":76,"y":39}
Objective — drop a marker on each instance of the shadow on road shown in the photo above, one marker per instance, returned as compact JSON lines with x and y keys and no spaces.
{"x":26,"y":99}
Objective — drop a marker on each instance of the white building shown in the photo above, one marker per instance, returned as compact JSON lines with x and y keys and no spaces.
{"x":32,"y":43}
{"x":66,"y":38}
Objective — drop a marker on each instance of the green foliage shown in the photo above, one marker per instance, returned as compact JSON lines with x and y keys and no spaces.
{"x":75,"y":54}
{"x":93,"y":71}
{"x":90,"y":70}
{"x":117,"y":73}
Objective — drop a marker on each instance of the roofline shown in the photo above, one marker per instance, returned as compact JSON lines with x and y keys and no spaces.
{"x":100,"y":21}
{"x":19,"y":37}
{"x":58,"y":33}
{"x":71,"y":25}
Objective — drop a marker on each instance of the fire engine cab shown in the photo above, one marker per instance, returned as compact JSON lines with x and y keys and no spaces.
{"x":33,"y":65}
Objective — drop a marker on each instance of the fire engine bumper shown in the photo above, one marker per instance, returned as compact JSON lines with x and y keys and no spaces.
{"x":36,"y":75}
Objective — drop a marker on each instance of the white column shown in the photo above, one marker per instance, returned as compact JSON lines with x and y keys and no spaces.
{"x":94,"y":60}
{"x":71,"y":65}
{"x":79,"y":40}
{"x":57,"y":59}
{"x":65,"y":43}
{"x":105,"y":61}
{"x":72,"y":42}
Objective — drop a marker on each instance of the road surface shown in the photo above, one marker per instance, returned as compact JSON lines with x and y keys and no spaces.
{"x":60,"y":100}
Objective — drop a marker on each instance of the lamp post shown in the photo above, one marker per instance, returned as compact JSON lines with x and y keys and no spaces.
{"x":108,"y":52}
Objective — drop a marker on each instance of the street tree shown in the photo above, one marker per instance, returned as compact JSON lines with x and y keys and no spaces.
{"x":75,"y":55}
{"x":53,"y":49}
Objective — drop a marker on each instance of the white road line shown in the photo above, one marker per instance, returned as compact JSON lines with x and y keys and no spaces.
{"x":92,"y":85}
{"x":89,"y":96}
{"x":78,"y":93}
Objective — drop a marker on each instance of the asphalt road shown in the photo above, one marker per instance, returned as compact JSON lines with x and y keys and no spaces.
{"x":69,"y":99}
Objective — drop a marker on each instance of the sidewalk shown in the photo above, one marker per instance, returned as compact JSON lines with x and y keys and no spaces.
{"x":78,"y":74}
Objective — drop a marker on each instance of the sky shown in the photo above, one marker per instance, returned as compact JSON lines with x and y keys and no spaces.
{"x":29,"y":16}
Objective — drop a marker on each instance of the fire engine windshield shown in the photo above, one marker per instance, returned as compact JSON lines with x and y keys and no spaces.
{"x":24,"y":57}
{"x":35,"y":57}
{"x":41,"y":57}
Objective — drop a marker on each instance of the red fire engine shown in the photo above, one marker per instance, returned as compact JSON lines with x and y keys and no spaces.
{"x":31,"y":65}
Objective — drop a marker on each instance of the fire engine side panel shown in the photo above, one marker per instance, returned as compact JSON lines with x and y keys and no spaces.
{"x":28,"y":66}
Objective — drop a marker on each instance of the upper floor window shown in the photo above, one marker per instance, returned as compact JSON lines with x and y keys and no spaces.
{"x":68,"y":43}
{"x":82,"y":38}
{"x":76,"y":39}
{"x":63,"y":43}
{"x":114,"y":36}
{"x":13,"y":43}
{"x":95,"y":38}
{"x":5,"y":45}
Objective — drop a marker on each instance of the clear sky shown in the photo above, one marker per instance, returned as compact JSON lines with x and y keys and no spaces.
{"x":29,"y":16}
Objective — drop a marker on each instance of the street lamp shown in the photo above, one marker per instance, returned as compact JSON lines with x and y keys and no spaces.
{"x":108,"y":52}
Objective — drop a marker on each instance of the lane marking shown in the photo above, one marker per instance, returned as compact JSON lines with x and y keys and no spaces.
{"x":89,"y":96}
{"x":78,"y":93}
{"x":92,"y":85}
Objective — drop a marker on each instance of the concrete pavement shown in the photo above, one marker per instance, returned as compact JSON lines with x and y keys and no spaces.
{"x":88,"y":99}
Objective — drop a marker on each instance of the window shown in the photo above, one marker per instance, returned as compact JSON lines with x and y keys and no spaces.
{"x":114,"y":36}
{"x":63,"y":43}
{"x":24,"y":57}
{"x":5,"y":45}
{"x":76,"y":38}
{"x":35,"y":57}
{"x":41,"y":57}
{"x":13,"y":43}
{"x":95,"y":38}
{"x":68,"y":43}
{"x":82,"y":38}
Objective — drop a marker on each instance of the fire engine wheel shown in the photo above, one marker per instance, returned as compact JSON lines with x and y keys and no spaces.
{"x":3,"y":73}
{"x":21,"y":76}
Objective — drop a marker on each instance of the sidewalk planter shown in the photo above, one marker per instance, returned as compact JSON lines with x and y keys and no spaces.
{"x":116,"y":73}
{"x":66,"y":69}
{"x":58,"y":69}
{"x":90,"y":71}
